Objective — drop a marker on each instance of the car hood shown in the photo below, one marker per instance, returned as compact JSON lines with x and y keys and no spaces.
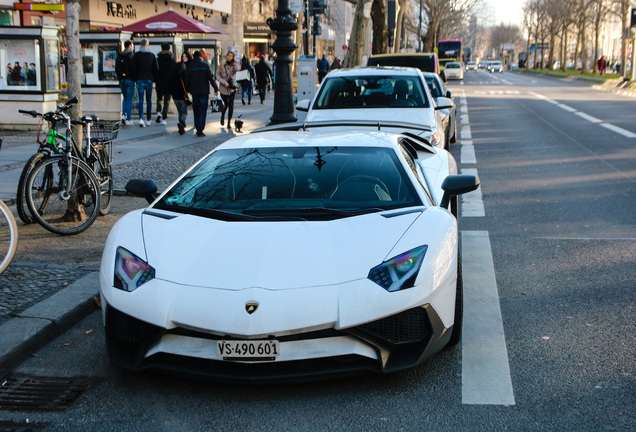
{"x":420,"y":116}
{"x":198,"y":251}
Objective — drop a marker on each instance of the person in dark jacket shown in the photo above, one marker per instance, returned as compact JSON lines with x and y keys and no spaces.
{"x":126,"y":81}
{"x":323,"y":68}
{"x":263,"y":76}
{"x":198,"y":78}
{"x":336,"y":63}
{"x":246,"y":85}
{"x":145,"y":70}
{"x":166,"y":63}
{"x":178,"y":90}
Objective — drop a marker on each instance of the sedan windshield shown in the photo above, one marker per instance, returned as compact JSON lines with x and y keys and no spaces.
{"x":318,"y":183}
{"x":372,"y":92}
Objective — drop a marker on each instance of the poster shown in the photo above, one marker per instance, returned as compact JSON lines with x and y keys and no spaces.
{"x":109,"y":61}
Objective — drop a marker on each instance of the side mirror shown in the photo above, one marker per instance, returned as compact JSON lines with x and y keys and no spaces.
{"x":144,"y":188}
{"x":444,"y":103}
{"x":303,"y":105}
{"x":449,"y":94}
{"x":454,"y":185}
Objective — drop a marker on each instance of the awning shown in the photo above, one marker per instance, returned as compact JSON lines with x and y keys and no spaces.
{"x":170,"y":22}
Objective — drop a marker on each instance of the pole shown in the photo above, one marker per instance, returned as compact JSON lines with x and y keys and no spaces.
{"x":306,"y":18}
{"x":419,"y":31}
{"x":283,"y":25}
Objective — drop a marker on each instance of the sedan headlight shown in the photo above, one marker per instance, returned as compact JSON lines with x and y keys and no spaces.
{"x":131,"y":272}
{"x":400,"y":272}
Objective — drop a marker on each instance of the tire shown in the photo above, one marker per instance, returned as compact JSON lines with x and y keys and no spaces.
{"x":8,"y":236}
{"x":456,"y":335}
{"x":104,"y":172}
{"x":453,"y":139}
{"x":21,"y":202}
{"x":63,"y":215}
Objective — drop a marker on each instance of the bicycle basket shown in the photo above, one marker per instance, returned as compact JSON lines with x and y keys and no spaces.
{"x":104,"y":130}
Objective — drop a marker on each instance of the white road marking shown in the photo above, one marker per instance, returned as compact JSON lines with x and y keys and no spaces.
{"x":485,"y":367}
{"x":465,"y":133}
{"x":588,"y":117}
{"x":567,"y":108}
{"x":463,"y":119}
{"x":618,"y":130}
{"x":472,"y":203}
{"x":467,"y":154}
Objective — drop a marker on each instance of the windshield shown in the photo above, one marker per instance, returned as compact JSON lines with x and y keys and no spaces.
{"x":453,"y":66}
{"x":380,"y":91}
{"x":293,"y":184}
{"x":434,"y":87}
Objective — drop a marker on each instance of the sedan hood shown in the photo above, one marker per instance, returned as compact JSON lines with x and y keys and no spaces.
{"x":198,"y":251}
{"x":420,"y":116}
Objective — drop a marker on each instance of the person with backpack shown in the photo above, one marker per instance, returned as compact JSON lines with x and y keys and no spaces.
{"x":145,"y":70}
{"x":263,"y":76}
{"x":124,"y":71}
{"x":167,"y":65}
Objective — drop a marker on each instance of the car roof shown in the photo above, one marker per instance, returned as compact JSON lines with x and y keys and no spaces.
{"x":375,"y":70}
{"x":429,"y":54}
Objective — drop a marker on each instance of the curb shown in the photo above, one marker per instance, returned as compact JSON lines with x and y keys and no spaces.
{"x":37,"y":326}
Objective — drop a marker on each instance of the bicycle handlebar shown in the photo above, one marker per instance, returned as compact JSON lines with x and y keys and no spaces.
{"x":32,"y":113}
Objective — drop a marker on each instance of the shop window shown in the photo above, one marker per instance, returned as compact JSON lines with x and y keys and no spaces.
{"x":107,"y":55}
{"x":21,"y":65}
{"x":52,"y":56}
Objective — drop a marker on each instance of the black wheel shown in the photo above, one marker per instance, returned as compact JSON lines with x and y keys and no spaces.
{"x":456,"y":335}
{"x":104,"y":172}
{"x":21,"y":202}
{"x":65,"y":212}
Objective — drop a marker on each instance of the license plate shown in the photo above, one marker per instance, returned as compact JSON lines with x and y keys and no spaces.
{"x":248,"y":349}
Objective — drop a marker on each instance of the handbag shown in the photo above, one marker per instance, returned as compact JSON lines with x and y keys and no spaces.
{"x":232,"y":84}
{"x":186,"y":98}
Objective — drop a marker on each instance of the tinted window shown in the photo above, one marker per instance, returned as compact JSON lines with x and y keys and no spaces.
{"x":434,"y":87}
{"x":380,"y":91}
{"x":289,"y":181}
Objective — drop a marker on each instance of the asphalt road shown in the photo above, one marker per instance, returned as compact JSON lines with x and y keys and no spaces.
{"x":559,"y":210}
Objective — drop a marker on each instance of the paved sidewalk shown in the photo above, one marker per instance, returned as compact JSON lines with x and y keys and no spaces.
{"x":41,"y":300}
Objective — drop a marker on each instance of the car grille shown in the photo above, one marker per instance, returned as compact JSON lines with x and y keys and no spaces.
{"x":407,"y":327}
{"x":125,"y":328}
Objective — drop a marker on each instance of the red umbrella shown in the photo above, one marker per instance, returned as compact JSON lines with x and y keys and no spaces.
{"x":170,"y":22}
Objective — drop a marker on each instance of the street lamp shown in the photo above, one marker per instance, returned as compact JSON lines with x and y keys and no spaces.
{"x":284,"y":46}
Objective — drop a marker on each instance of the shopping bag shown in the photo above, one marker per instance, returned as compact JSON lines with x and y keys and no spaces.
{"x":216,"y":104}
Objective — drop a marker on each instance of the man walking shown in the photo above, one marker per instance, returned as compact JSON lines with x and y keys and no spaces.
{"x":323,"y":68}
{"x":263,"y":75}
{"x":124,"y":71}
{"x":198,"y":79}
{"x":166,"y":63}
{"x":336,"y":63}
{"x":145,"y":69}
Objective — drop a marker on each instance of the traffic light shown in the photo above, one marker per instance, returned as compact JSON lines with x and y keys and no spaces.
{"x":316,"y":29}
{"x":317,"y":7}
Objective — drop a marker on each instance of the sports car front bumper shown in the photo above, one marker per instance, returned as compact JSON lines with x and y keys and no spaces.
{"x":390,"y":344}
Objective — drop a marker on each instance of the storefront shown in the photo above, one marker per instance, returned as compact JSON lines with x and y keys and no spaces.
{"x":30,"y":74}
{"x":258,"y":39}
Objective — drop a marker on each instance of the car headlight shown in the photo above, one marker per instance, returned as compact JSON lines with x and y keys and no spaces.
{"x":131,"y":272}
{"x":400,"y":272}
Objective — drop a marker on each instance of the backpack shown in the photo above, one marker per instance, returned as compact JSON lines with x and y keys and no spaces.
{"x":123,"y":66}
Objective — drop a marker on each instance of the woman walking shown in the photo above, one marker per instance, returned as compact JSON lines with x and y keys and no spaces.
{"x":177,"y":88}
{"x":224,"y":74}
{"x":246,"y":85}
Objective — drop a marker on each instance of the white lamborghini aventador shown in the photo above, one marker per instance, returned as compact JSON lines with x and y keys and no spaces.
{"x":286,"y":254}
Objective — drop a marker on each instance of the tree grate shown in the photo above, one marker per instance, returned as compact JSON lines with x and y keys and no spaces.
{"x":41,"y":393}
{"x":21,"y":427}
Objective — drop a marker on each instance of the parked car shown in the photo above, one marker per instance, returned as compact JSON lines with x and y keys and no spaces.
{"x":426,"y":62}
{"x":438,"y":90}
{"x":287,"y":254}
{"x":454,"y":70}
{"x":495,"y":66}
{"x":380,"y":94}
{"x":482,"y":64}
{"x":471,"y":66}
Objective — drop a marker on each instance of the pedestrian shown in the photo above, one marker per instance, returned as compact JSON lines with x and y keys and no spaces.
{"x":145,"y":70}
{"x":178,"y":90}
{"x":198,"y":78}
{"x":323,"y":68}
{"x":336,"y":64}
{"x":166,"y":64}
{"x":263,"y":75}
{"x":246,"y":85}
{"x":226,"y":74}
{"x":601,"y":66}
{"x":124,"y":71}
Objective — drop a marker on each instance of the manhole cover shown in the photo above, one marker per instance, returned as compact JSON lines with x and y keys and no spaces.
{"x":21,"y":427}
{"x":41,"y":393}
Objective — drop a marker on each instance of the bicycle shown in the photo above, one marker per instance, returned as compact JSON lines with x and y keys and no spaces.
{"x":62,"y":191}
{"x":98,"y":153}
{"x":8,"y":235}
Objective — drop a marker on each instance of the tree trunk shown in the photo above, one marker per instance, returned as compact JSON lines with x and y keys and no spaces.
{"x":380,"y":30}
{"x":564,"y":50}
{"x":354,"y":54}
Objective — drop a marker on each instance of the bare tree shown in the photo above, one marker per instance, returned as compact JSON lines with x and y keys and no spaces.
{"x":444,"y":19}
{"x":621,"y":8}
{"x":600,"y":10}
{"x":380,"y":30}
{"x":353,"y":56}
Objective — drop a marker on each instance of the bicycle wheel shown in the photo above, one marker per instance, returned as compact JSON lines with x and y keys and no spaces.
{"x":64,"y":213}
{"x":21,"y":202}
{"x":8,"y":236}
{"x":104,"y":173}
